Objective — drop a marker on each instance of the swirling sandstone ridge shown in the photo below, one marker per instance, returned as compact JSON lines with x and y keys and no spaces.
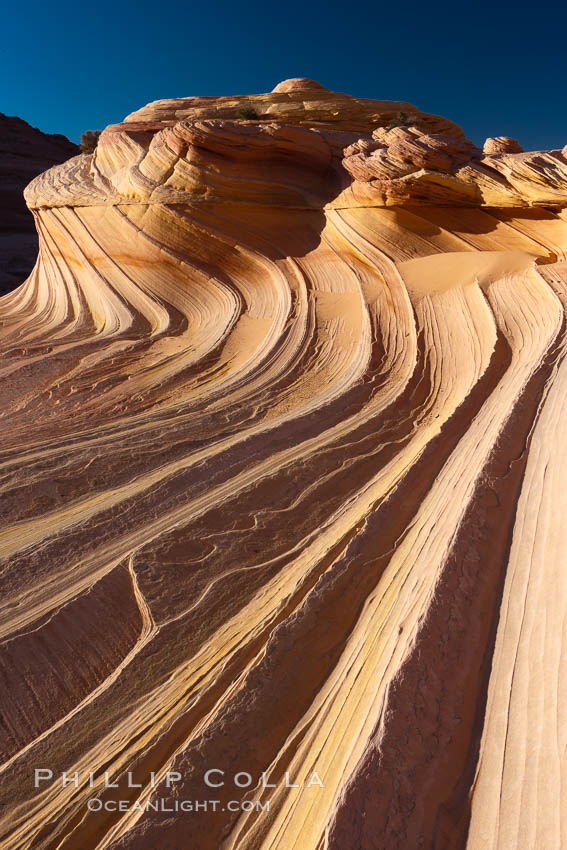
{"x":282,"y":472}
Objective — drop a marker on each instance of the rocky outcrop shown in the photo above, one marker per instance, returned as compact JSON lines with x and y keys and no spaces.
{"x":502,"y":144}
{"x":308,"y":148}
{"x":406,"y":166}
{"x":282,"y":486}
{"x":24,"y":153}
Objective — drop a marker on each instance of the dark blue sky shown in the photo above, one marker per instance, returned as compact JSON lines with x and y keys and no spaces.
{"x":495,"y":68}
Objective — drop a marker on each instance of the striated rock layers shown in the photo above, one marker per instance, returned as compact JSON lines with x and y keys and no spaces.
{"x":283,"y":418}
{"x":24,"y":153}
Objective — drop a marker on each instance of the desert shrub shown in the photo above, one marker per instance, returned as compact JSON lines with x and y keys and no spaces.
{"x":401,"y":120}
{"x":89,"y":141}
{"x":248,"y":113}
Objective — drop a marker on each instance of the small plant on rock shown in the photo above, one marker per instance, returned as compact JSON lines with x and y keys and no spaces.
{"x":401,"y":120}
{"x":89,"y":141}
{"x":248,"y":113}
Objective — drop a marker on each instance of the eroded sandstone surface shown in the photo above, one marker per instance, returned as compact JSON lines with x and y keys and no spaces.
{"x":283,"y":417}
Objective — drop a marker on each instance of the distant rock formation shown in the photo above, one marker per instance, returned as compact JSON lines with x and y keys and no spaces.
{"x":24,"y":153}
{"x":282,"y":486}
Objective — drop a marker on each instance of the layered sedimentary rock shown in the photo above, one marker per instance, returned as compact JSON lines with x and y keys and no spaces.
{"x":24,"y":153}
{"x":282,"y":485}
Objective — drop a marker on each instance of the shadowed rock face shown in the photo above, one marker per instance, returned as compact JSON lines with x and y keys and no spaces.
{"x":282,"y":485}
{"x":24,"y":153}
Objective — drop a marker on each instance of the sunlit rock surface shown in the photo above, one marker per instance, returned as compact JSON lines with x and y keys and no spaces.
{"x":283,"y":418}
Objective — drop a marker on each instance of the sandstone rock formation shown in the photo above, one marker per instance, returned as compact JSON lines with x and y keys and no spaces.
{"x":282,"y":485}
{"x":24,"y":153}
{"x":502,"y":144}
